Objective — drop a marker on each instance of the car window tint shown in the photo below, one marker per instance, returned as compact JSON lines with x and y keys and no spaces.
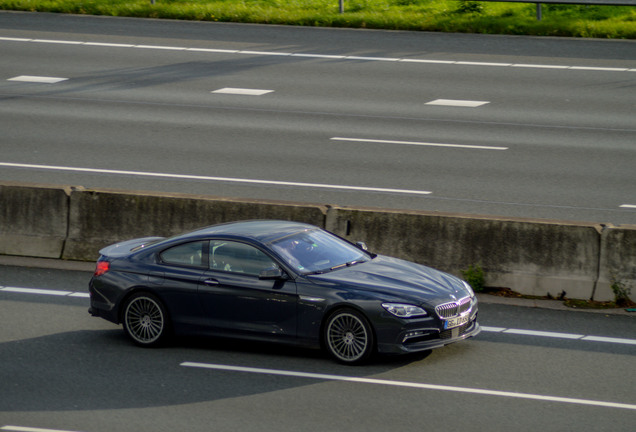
{"x":238,"y":258}
{"x":190,"y":254}
{"x":317,"y":251}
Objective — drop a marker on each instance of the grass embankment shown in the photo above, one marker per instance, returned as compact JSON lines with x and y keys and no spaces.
{"x":424,"y":15}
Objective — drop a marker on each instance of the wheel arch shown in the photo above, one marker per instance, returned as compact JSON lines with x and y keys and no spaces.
{"x":340,"y":307}
{"x":136,"y":290}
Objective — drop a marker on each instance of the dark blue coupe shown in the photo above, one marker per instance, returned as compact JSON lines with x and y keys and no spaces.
{"x":279,"y":281}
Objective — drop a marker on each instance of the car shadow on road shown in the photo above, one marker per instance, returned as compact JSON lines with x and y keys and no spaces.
{"x":102,"y":369}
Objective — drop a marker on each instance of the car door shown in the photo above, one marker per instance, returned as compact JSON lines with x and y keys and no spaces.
{"x":237,"y":301}
{"x":175,"y":276}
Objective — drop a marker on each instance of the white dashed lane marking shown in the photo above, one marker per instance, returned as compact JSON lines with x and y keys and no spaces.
{"x":242,"y":91}
{"x":458,"y":103}
{"x":37,"y":79}
{"x":29,"y":429}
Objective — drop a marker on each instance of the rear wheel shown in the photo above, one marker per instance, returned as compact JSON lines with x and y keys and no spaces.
{"x":145,"y":320}
{"x":348,"y":337}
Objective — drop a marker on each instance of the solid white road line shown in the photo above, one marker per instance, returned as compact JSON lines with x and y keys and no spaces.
{"x":35,"y":291}
{"x":324,"y":56}
{"x":543,"y":334}
{"x":159,"y":47}
{"x":54,"y":41}
{"x":267,"y":53}
{"x":539,"y":66}
{"x":609,"y":340}
{"x":416,"y":143}
{"x":213,"y":50}
{"x":594,"y":68}
{"x":470,"y":63}
{"x":112,"y":45}
{"x":219,"y":179}
{"x":389,"y":59}
{"x":410,"y":385}
{"x":45,"y":292}
{"x":557,"y":335}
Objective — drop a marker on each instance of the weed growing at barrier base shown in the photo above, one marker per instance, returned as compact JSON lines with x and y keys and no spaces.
{"x":428,"y":15}
{"x":475,"y":277}
{"x":621,"y":292}
{"x":571,"y":303}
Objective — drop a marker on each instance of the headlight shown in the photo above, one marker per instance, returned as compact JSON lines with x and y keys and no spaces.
{"x":404,"y":310}
{"x":469,"y":289}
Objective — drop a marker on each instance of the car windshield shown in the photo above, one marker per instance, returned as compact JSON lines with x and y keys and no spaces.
{"x":317,"y":251}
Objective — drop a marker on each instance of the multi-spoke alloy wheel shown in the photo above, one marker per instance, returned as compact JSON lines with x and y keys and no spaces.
{"x":348,"y":337}
{"x":145,"y":319}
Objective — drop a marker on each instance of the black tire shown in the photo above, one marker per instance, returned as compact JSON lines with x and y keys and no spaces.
{"x":348,"y":337}
{"x":145,"y":320}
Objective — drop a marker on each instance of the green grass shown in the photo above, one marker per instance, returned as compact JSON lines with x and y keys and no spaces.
{"x":423,"y":15}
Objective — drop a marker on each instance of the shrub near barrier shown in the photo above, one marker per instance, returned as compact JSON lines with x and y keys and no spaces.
{"x":530,"y":256}
{"x":101,"y":217}
{"x":617,"y":261}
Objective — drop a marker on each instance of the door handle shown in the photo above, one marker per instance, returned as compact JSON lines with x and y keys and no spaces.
{"x":211,"y":282}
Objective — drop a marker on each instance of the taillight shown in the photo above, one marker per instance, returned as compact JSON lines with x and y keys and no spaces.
{"x":102,"y":267}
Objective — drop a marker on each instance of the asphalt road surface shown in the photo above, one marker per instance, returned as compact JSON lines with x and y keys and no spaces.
{"x":493,"y":125}
{"x":530,"y":369}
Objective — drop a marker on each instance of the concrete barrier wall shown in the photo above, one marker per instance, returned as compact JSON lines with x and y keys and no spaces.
{"x":533,"y":257}
{"x":33,"y":219}
{"x":100,"y":217}
{"x":617,"y":261}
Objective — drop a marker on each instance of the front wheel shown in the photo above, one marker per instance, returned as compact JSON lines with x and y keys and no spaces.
{"x":145,"y":320}
{"x":348,"y":337}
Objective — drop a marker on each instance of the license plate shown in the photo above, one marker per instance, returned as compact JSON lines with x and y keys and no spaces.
{"x":456,"y":322}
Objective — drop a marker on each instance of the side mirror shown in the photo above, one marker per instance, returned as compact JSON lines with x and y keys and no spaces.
{"x":362,"y":245}
{"x":271,"y":273}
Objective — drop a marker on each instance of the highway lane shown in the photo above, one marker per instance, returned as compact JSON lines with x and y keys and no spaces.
{"x":564,"y":138}
{"x":66,"y":370}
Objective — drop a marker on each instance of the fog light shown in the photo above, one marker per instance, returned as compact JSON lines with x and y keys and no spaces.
{"x":412,"y":334}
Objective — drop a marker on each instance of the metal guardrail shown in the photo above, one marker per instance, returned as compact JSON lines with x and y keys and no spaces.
{"x":538,"y":3}
{"x":576,"y":2}
{"x":571,"y":2}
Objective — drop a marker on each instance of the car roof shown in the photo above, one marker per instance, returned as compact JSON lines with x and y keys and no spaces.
{"x":264,"y":231}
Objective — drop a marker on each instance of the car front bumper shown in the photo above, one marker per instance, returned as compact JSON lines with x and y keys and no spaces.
{"x":425,"y":335}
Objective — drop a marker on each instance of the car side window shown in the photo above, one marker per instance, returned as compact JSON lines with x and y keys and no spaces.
{"x":189,"y":254}
{"x":238,"y":257}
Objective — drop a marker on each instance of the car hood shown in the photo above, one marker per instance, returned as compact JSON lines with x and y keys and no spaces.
{"x":396,"y":278}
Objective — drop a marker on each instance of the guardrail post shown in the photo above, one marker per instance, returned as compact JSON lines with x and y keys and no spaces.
{"x":538,"y":11}
{"x":341,"y":6}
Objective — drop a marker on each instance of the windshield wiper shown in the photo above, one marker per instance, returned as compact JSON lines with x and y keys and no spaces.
{"x":336,"y":267}
{"x":315,"y":272}
{"x":347,"y":264}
